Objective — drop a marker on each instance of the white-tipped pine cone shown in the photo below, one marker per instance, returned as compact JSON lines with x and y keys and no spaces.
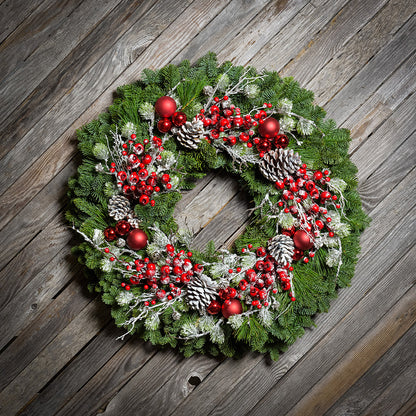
{"x":281,"y":247}
{"x":280,"y":163}
{"x":118,"y":207}
{"x":200,"y":292}
{"x":133,"y":220}
{"x":189,"y":135}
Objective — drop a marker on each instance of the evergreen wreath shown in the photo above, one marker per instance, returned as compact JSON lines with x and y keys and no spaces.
{"x":163,"y":133}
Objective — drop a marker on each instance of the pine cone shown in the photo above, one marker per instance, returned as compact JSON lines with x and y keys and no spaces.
{"x":281,"y":247}
{"x":118,"y":207}
{"x":189,"y":134}
{"x":133,"y":220}
{"x":200,"y":292}
{"x":280,"y":163}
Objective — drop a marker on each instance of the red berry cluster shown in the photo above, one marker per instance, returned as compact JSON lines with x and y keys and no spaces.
{"x":134,"y":180}
{"x":164,"y":281}
{"x":312,"y":218}
{"x":223,"y":117}
{"x":259,"y":281}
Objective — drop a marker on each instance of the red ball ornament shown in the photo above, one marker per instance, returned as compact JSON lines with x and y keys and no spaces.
{"x":179,"y":118}
{"x":165,"y":106}
{"x":214,"y":307}
{"x":302,"y":240}
{"x":164,"y":125}
{"x":122,"y":228}
{"x":110,"y":234}
{"x":264,"y":145}
{"x":232,"y":307}
{"x":269,"y":128}
{"x":137,"y":239}
{"x":281,"y":140}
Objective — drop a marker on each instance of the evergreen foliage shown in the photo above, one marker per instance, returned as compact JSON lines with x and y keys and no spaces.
{"x":327,"y":147}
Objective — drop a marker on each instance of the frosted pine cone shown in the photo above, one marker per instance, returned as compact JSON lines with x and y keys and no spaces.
{"x":200,"y":292}
{"x":281,"y":247}
{"x":189,"y":134}
{"x":118,"y":207}
{"x":280,"y":163}
{"x":133,"y":220}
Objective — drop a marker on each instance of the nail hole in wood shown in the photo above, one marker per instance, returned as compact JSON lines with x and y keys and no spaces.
{"x":194,"y":381}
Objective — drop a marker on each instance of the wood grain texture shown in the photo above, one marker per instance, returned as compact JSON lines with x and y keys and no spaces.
{"x":62,"y":36}
{"x":332,"y":38}
{"x":61,"y":63}
{"x":14,"y":12}
{"x":381,"y":376}
{"x":62,"y":78}
{"x":349,"y":59}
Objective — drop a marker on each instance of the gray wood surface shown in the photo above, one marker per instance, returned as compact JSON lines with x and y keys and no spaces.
{"x":60,"y":63}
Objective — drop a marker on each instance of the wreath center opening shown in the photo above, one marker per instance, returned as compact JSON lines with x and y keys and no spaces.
{"x":215,"y":210}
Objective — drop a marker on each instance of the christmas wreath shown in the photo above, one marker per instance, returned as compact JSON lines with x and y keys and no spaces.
{"x":163,"y":133}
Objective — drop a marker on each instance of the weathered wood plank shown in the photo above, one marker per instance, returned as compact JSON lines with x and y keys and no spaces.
{"x":42,"y":23}
{"x":384,"y":372}
{"x":26,"y":264}
{"x":295,"y":35}
{"x":39,"y":333}
{"x":408,"y":409}
{"x":386,"y":177}
{"x":332,"y":38}
{"x":36,"y":215}
{"x":261,"y":380}
{"x":364,"y":83}
{"x":63,"y":35}
{"x":32,"y":299}
{"x":61,"y":79}
{"x":359,"y":358}
{"x":206,"y":204}
{"x":78,"y":372}
{"x":260,"y":21}
{"x":224,"y":225}
{"x":348,"y":60}
{"x":13,"y":13}
{"x":168,"y":392}
{"x":390,"y":401}
{"x":105,"y":384}
{"x":379,"y":107}
{"x":399,"y":125}
{"x":54,"y":357}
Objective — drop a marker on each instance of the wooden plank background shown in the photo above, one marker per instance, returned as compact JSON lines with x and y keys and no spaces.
{"x":60,"y":63}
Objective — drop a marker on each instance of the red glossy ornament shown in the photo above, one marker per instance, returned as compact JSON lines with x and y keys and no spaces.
{"x":179,"y":118}
{"x":269,"y":128}
{"x":137,"y":239}
{"x":122,"y":228}
{"x":297,"y":254}
{"x":165,"y":106}
{"x":302,"y":240}
{"x":281,"y":140}
{"x":264,"y":145}
{"x":164,"y":125}
{"x":110,"y":234}
{"x":214,"y":307}
{"x":232,"y":307}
